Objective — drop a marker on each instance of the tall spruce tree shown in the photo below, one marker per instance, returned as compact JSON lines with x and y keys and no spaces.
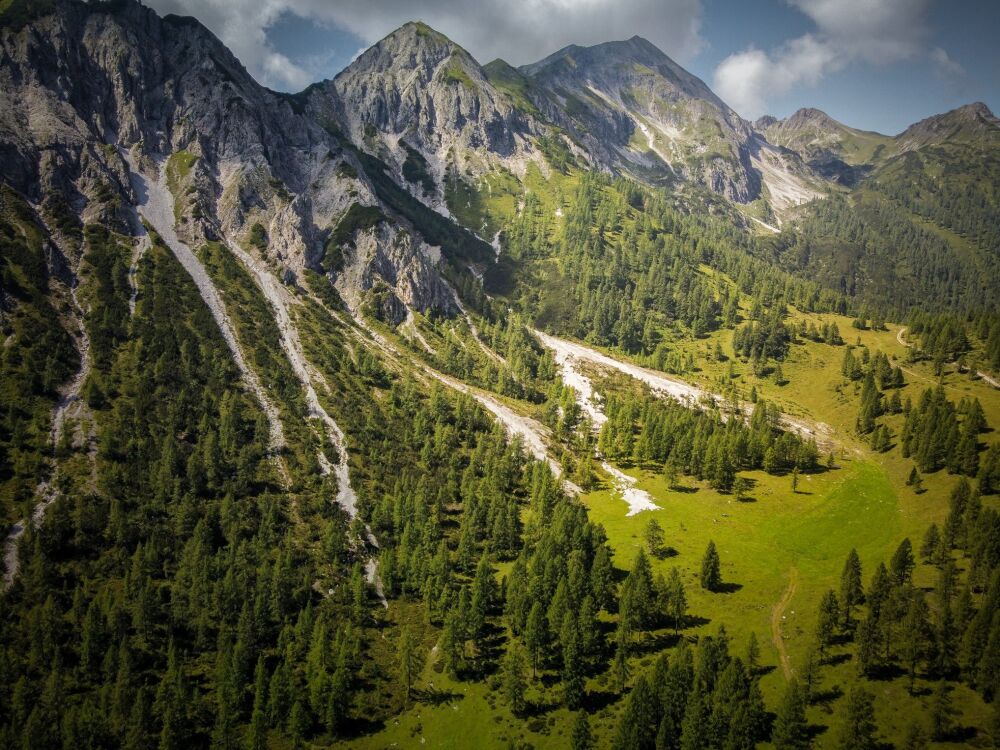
{"x":711,"y":576}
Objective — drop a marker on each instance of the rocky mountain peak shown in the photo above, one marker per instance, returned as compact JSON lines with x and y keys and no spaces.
{"x":424,"y":106}
{"x":414,"y":47}
{"x":971,"y":124}
{"x":811,"y":116}
{"x":618,"y":63}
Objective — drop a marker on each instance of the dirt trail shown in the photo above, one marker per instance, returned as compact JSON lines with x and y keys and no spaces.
{"x":70,"y":403}
{"x":281,"y":300}
{"x":409,"y":326}
{"x":900,"y":339}
{"x":981,"y":374}
{"x":472,"y":327}
{"x":568,"y":351}
{"x":141,"y":246}
{"x":777,"y":615}
{"x":987,"y":378}
{"x":531,"y":432}
{"x":156,"y":205}
{"x":769,"y":227}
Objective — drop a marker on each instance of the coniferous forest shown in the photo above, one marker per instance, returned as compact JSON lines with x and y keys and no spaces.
{"x":452,"y":405}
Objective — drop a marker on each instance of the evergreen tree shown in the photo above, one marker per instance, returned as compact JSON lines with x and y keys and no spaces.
{"x":829,"y":613}
{"x":451,"y":642}
{"x":916,"y":634}
{"x":513,"y":678}
{"x":791,"y":730}
{"x":810,"y":671}
{"x":932,"y":540}
{"x":298,"y":724}
{"x":535,"y":634}
{"x":711,"y":577}
{"x":857,"y":732}
{"x":867,"y":645}
{"x":695,"y":727}
{"x":602,"y":578}
{"x":941,"y":713}
{"x":572,"y":671}
{"x":851,"y":593}
{"x":619,"y":666}
{"x":581,"y":739}
{"x":902,"y":563}
{"x":676,"y":599}
{"x":654,"y":537}
{"x":408,"y":662}
{"x":256,"y":738}
{"x":639,"y":718}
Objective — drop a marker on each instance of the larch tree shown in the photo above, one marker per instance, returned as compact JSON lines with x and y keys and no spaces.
{"x":711,"y":576}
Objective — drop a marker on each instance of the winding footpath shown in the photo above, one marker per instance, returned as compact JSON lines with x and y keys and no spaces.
{"x":532,"y":433}
{"x":472,"y":326}
{"x":981,"y":374}
{"x":777,"y":615}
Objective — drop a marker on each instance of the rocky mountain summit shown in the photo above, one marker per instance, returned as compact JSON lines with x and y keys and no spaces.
{"x":85,"y":84}
{"x":635,"y":109}
{"x":423,"y":105}
{"x":360,"y":177}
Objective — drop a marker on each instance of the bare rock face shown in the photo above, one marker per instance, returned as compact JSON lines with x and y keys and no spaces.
{"x":392,"y":266}
{"x":82,"y":82}
{"x":640,"y":112}
{"x":424,"y":106}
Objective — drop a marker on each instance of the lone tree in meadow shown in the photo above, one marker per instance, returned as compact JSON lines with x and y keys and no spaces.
{"x":654,"y":537}
{"x":711,"y":577}
{"x":851,"y":592}
{"x":741,"y":488}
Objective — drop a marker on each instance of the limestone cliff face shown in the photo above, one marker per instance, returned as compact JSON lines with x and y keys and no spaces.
{"x":82,"y":83}
{"x":424,"y":106}
{"x":385,"y":259}
{"x":641,"y":112}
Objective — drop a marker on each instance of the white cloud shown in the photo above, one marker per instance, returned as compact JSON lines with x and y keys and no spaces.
{"x":877,"y":32}
{"x":944,"y":65}
{"x":747,"y":80}
{"x":242,"y":26}
{"x":520,"y":31}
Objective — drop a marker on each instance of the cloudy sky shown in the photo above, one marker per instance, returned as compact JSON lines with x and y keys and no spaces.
{"x":875,"y":64}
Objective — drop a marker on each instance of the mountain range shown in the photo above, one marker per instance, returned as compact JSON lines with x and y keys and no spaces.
{"x":86,"y":82}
